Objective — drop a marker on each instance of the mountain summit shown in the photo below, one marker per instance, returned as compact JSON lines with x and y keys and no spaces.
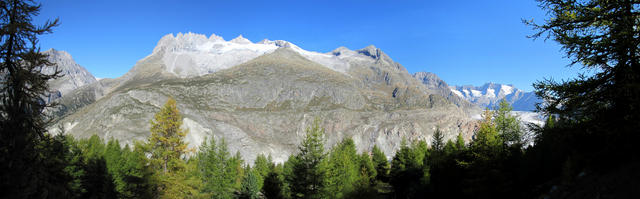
{"x":75,"y":76}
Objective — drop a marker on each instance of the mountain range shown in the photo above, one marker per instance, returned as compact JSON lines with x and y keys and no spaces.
{"x":262,"y":96}
{"x":490,"y":94}
{"x":485,"y":96}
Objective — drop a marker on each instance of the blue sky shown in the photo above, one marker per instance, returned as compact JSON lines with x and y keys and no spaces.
{"x":463,"y":42}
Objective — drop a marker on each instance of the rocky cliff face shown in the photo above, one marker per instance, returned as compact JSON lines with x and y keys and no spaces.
{"x":261,"y":96}
{"x":74,"y":75}
{"x":433,"y":82}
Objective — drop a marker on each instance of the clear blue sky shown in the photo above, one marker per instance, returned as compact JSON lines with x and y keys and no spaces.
{"x":463,"y":42}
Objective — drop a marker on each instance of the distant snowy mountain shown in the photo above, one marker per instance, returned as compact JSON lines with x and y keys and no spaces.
{"x":490,"y":94}
{"x":433,"y":82}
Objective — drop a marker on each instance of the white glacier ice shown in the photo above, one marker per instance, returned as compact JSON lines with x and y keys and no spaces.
{"x":190,"y":54}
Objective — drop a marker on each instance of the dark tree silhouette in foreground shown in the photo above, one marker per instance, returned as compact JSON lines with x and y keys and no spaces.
{"x":602,"y":109}
{"x":25,"y":171}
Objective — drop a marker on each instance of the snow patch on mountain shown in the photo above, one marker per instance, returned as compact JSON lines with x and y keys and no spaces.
{"x":458,"y":93}
{"x":190,"y":54}
{"x":490,"y":94}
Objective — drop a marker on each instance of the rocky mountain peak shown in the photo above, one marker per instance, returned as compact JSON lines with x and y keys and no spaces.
{"x":74,"y":75}
{"x":430,"y":79}
{"x":380,"y":57}
{"x":340,"y":51}
{"x":371,"y":51}
{"x":240,"y":40}
{"x":58,"y":55}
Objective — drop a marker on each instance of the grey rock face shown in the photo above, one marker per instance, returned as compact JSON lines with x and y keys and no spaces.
{"x":433,"y":82}
{"x":74,"y":75}
{"x":265,"y":104}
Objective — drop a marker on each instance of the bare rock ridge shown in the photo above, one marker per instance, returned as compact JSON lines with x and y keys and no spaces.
{"x":261,"y":96}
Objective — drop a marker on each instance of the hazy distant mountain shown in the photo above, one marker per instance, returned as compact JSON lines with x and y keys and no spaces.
{"x":261,"y":96}
{"x":490,"y":94}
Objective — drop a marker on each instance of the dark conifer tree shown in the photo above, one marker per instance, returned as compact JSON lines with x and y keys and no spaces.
{"x":381,"y":164}
{"x":23,"y":165}
{"x":437,"y":143}
{"x":308,"y":172}
{"x":601,"y":109}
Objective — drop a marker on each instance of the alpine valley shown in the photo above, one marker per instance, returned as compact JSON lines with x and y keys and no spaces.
{"x":260,"y":97}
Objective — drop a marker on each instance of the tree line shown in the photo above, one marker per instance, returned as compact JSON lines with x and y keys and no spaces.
{"x":164,"y":167}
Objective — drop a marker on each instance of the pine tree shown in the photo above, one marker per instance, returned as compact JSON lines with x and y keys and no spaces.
{"x":343,"y":170}
{"x":507,"y":125}
{"x":367,"y":171}
{"x":308,"y":167}
{"x":23,"y":163}
{"x":437,"y":143}
{"x":262,"y":165}
{"x":166,"y":140}
{"x":460,"y":145}
{"x":407,"y":174}
{"x":76,"y":168}
{"x":449,"y":148}
{"x":381,"y":164}
{"x":236,"y":170}
{"x":135,"y":175}
{"x":217,"y":170}
{"x":486,"y":168}
{"x":487,"y":142}
{"x":274,"y":183}
{"x":250,"y":188}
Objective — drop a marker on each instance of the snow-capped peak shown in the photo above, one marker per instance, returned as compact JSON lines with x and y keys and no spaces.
{"x":490,"y":94}
{"x":240,"y":40}
{"x":190,"y":54}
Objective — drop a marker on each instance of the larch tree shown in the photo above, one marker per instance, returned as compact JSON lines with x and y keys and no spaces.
{"x":487,"y":143}
{"x":507,"y":125}
{"x":343,"y":169}
{"x":217,"y":169}
{"x":602,"y":109}
{"x":460,"y":145}
{"x":26,"y":171}
{"x":166,"y":140}
{"x":308,"y":169}
{"x":381,"y":164}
